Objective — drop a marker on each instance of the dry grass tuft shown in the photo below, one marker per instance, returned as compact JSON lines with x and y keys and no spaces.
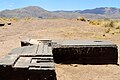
{"x":8,"y":19}
{"x":113,"y":26}
{"x":81,"y":19}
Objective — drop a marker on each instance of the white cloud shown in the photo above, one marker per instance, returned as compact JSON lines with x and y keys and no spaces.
{"x":11,"y":4}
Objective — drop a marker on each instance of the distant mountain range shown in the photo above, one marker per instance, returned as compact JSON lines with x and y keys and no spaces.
{"x":38,"y":12}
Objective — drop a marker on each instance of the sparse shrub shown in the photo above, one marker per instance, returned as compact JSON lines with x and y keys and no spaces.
{"x":108,"y":24}
{"x":93,"y":22}
{"x":27,"y":18}
{"x":113,"y":26}
{"x":8,"y":19}
{"x":113,"y":33}
{"x":103,"y":23}
{"x":117,"y":24}
{"x":81,"y":19}
{"x":107,"y":31}
{"x":4,"y":18}
{"x":117,"y":27}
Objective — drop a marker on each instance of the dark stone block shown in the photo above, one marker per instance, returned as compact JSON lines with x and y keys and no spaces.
{"x":35,"y":60}
{"x":97,"y":52}
{"x":9,"y":23}
{"x":2,"y":24}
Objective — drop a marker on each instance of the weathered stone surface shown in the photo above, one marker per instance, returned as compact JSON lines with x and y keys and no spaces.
{"x":32,"y":62}
{"x":36,"y":59}
{"x":85,"y":52}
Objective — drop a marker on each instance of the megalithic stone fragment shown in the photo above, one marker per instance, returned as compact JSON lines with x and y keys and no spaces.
{"x":35,"y":59}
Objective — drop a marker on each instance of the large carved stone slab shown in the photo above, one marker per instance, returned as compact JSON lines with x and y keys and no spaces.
{"x":85,"y":52}
{"x":36,"y":59}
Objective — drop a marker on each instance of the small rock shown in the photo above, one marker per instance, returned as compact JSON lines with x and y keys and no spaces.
{"x":75,"y":65}
{"x":104,"y":35}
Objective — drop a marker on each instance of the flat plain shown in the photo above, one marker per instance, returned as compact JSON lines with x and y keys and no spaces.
{"x":62,"y":29}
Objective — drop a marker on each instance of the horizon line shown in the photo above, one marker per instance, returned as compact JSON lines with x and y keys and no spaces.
{"x":58,"y":9}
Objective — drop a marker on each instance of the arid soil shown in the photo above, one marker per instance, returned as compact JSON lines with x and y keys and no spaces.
{"x":62,"y":29}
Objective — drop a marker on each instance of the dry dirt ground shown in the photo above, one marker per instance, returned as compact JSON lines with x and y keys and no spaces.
{"x":62,"y":29}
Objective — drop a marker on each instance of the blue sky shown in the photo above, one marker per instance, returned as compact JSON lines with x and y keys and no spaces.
{"x":53,"y":5}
